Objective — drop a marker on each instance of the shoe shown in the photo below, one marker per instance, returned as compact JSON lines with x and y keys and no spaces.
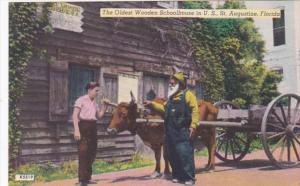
{"x":166,"y":176}
{"x":175,"y":180}
{"x":91,"y":182}
{"x":82,"y":184}
{"x":155,"y":174}
{"x":189,"y":182}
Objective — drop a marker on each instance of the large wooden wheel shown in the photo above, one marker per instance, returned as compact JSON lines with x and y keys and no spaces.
{"x":232,"y":143}
{"x":280,"y":131}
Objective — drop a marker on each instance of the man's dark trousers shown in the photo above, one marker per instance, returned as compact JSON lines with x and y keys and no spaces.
{"x":179,"y":147}
{"x":87,"y":147}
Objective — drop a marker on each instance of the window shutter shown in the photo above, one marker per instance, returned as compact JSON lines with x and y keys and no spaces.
{"x":58,"y":96}
{"x":111,"y":89}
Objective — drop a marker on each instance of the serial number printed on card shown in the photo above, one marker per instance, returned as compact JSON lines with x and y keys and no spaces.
{"x":24,"y":177}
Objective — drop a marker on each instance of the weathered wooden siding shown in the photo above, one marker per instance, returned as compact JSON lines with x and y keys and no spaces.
{"x":134,"y":42}
{"x":53,"y":141}
{"x":111,"y":45}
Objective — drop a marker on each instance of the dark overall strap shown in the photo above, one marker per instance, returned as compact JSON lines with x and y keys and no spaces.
{"x":171,"y":101}
{"x":181,"y":102}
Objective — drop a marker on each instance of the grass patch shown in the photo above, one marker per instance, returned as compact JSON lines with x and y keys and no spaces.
{"x":203,"y":152}
{"x":256,"y":144}
{"x":50,"y":172}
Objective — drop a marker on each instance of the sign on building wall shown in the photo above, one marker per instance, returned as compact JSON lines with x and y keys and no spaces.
{"x":127,"y":83}
{"x":66,"y":16}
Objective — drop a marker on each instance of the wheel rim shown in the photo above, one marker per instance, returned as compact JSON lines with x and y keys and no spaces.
{"x":281,"y":131}
{"x":232,"y":145}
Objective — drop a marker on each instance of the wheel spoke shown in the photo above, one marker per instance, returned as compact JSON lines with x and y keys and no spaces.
{"x":296,"y":112}
{"x":295,"y":150}
{"x":289,"y":110}
{"x":297,"y":140}
{"x":278,"y":144}
{"x":220,"y":145}
{"x":276,"y":126}
{"x":241,"y":139}
{"x":232,"y":149}
{"x":283,"y":114}
{"x":220,"y":129}
{"x":219,"y":136}
{"x":226,"y":149}
{"x":238,"y":146}
{"x":282,"y":150}
{"x":288,"y":150}
{"x":275,"y":135}
{"x":278,"y":118}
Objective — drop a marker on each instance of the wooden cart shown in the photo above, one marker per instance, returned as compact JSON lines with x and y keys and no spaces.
{"x":278,"y":126}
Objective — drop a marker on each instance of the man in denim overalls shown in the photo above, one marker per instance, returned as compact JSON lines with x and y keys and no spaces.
{"x":181,"y":120}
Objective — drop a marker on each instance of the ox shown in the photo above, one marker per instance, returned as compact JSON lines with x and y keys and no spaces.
{"x":124,"y":118}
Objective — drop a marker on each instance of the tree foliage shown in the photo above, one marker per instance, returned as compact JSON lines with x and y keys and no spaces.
{"x":230,"y":53}
{"x":24,"y":27}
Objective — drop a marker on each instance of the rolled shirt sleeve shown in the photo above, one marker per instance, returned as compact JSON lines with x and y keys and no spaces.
{"x":78,"y":103}
{"x":191,"y":100}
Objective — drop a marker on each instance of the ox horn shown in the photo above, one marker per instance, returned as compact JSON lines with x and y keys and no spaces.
{"x":175,"y":69}
{"x":132,"y":97}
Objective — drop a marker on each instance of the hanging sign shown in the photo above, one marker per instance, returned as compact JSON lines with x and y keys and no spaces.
{"x":66,"y":16}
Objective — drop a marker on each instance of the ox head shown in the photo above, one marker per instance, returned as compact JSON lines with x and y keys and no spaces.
{"x":124,"y":117}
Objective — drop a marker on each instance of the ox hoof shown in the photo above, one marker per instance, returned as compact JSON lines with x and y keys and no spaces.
{"x":155,"y":174}
{"x":209,"y":169}
{"x":166,"y":176}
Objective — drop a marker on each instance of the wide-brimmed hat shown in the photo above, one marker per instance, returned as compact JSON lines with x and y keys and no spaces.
{"x":180,"y":77}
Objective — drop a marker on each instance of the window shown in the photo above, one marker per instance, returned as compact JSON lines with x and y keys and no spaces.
{"x":279,"y":30}
{"x":278,"y":70}
{"x":79,"y":76}
{"x":111,"y":89}
{"x":168,"y":4}
{"x":155,"y":86}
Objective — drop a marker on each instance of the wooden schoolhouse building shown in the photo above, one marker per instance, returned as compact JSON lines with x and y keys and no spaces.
{"x":122,"y":54}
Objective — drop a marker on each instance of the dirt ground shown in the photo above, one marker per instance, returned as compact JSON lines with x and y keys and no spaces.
{"x":254,"y":170}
